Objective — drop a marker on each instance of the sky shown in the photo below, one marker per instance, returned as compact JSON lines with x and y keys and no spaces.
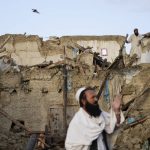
{"x":74,"y":17}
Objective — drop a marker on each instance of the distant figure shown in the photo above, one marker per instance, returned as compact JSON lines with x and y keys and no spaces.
{"x":35,"y":11}
{"x":135,"y":40}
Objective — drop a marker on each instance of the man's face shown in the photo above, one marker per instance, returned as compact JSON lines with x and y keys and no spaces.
{"x":91,"y":103}
{"x":91,"y":97}
{"x":136,"y":32}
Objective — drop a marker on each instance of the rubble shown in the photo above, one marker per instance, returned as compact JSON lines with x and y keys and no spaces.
{"x":10,"y":140}
{"x":39,"y":91}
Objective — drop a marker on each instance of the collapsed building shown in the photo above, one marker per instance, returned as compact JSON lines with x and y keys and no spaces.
{"x":38,"y":81}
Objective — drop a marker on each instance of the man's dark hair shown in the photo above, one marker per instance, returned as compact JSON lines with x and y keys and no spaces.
{"x":83,"y":96}
{"x":136,"y":29}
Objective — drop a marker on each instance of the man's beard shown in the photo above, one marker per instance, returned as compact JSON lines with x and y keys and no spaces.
{"x":93,"y":109}
{"x":136,"y":34}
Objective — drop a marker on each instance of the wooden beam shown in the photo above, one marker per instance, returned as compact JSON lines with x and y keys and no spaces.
{"x":112,"y":66}
{"x":65,"y":98}
{"x":5,"y":114}
{"x":135,"y":100}
{"x":6,"y":40}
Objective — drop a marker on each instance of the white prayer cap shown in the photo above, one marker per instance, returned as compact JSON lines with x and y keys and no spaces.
{"x":77,"y":96}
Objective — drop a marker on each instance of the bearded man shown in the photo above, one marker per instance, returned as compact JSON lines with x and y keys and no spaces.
{"x":86,"y":128}
{"x":135,"y":40}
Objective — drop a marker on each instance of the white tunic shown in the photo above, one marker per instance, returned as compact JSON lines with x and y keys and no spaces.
{"x":84,"y":129}
{"x":135,"y":45}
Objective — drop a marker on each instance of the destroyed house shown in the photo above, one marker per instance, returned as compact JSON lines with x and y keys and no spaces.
{"x":107,"y":46}
{"x":39,"y":79}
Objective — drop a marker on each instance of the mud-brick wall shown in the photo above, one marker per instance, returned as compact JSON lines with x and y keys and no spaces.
{"x":30,"y":101}
{"x":24,"y":50}
{"x":31,"y":50}
{"x":112,"y":44}
{"x":36,"y":97}
{"x":145,"y":57}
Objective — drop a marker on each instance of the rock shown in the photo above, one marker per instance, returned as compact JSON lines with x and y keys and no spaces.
{"x":2,"y":136}
{"x":3,"y":145}
{"x":128,"y":90}
{"x":135,"y":140}
{"x":137,"y":147}
{"x":11,"y":141}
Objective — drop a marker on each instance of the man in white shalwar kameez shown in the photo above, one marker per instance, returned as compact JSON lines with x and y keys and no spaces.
{"x":135,"y":40}
{"x":90,"y":121}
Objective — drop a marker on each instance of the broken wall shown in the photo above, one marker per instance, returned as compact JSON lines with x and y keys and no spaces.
{"x":136,"y":105}
{"x":112,"y":44}
{"x":28,"y":100}
{"x":35,"y":94}
{"x":145,"y":57}
{"x":31,"y":50}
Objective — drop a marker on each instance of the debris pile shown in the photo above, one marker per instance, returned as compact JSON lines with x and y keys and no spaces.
{"x":10,"y":140}
{"x":38,"y":81}
{"x":136,"y":104}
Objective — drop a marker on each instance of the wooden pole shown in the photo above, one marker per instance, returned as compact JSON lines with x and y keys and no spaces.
{"x":13,"y":120}
{"x":65,"y":93}
{"x":5,"y":114}
{"x":47,"y":137}
{"x":65,"y":98}
{"x":113,"y":65}
{"x":6,"y":40}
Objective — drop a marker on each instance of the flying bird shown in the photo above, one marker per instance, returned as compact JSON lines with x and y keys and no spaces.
{"x":35,"y":11}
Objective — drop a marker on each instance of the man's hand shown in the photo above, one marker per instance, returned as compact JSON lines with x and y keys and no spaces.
{"x":116,"y":104}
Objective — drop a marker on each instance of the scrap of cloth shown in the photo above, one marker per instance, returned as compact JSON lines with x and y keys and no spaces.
{"x":106,"y":92}
{"x":83,"y":129}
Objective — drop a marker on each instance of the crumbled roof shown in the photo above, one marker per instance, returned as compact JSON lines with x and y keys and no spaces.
{"x":118,"y":38}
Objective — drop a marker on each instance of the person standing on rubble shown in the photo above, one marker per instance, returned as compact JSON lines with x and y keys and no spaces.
{"x":135,"y":40}
{"x":86,"y":127}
